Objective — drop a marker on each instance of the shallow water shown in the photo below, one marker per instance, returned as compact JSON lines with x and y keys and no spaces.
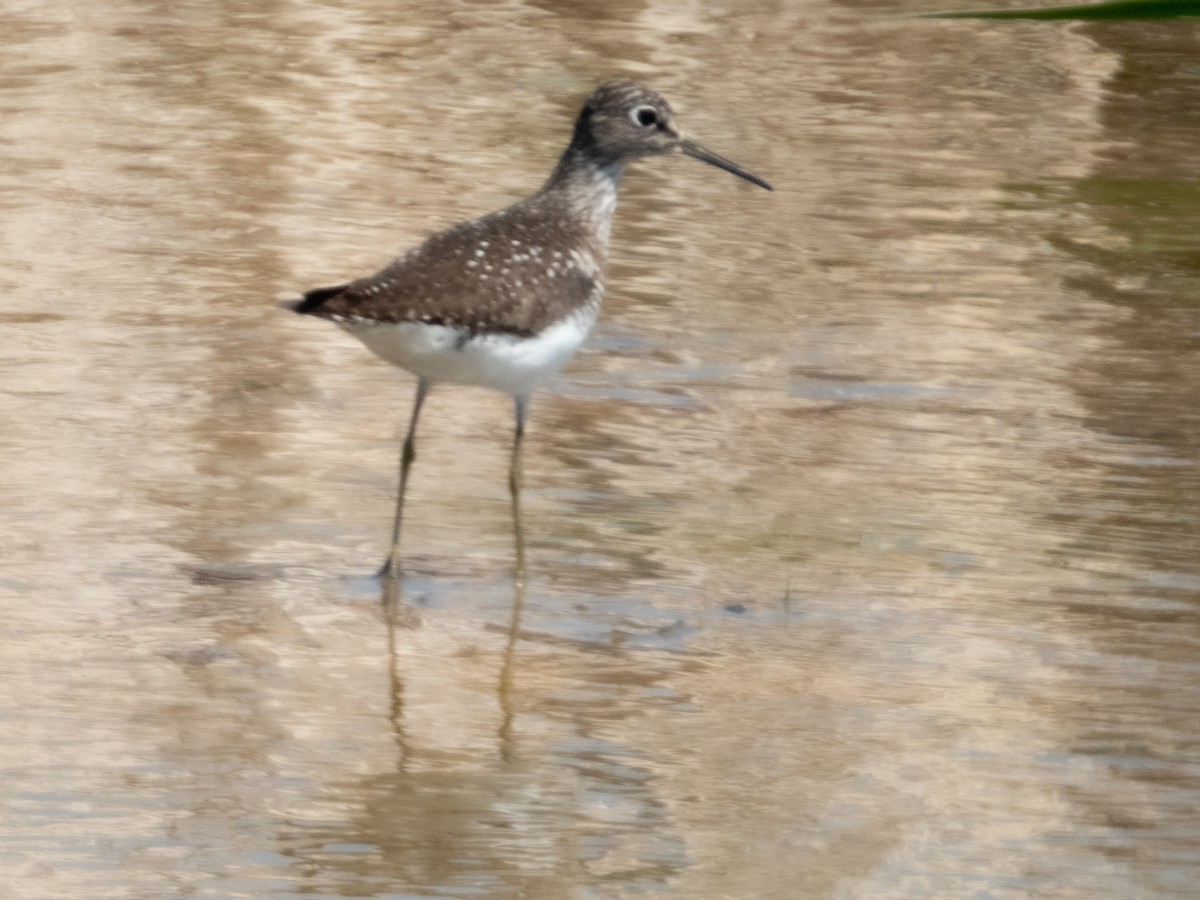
{"x":862,"y":540}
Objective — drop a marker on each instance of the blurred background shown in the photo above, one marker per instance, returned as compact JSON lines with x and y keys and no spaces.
{"x":863,"y":539}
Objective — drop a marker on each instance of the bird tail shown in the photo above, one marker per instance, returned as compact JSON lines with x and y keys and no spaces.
{"x":312,"y":300}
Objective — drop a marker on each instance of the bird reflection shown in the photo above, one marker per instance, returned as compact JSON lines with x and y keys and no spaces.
{"x":397,"y":617}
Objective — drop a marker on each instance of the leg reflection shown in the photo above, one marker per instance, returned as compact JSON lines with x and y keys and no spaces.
{"x":397,"y":618}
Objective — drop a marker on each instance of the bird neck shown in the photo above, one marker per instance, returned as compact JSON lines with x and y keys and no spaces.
{"x":586,"y":184}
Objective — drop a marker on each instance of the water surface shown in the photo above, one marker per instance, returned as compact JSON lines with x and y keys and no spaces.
{"x":861,"y":540}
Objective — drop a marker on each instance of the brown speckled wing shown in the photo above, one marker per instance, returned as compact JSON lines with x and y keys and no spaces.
{"x":508,"y":272}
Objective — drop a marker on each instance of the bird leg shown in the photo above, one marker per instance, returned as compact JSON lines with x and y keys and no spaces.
{"x":408,"y":453}
{"x":521,"y":405}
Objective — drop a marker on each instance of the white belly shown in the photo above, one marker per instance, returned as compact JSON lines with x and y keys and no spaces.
{"x":504,"y":362}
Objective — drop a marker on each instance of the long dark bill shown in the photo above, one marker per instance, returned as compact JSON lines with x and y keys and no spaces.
{"x":695,"y":151}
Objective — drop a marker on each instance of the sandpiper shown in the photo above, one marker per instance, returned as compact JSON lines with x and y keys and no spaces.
{"x":503,"y":301}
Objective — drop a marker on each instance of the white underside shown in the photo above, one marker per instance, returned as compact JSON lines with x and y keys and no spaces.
{"x":504,"y":362}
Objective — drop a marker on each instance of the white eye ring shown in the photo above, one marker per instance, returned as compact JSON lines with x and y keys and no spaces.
{"x":644,"y":116}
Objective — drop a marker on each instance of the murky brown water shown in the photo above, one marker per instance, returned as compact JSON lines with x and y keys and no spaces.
{"x":863,"y":541}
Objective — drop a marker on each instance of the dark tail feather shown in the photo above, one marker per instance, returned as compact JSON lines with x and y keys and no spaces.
{"x":312,"y":300}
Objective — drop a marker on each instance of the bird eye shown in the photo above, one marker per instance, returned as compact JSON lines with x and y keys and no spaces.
{"x":645,"y":116}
